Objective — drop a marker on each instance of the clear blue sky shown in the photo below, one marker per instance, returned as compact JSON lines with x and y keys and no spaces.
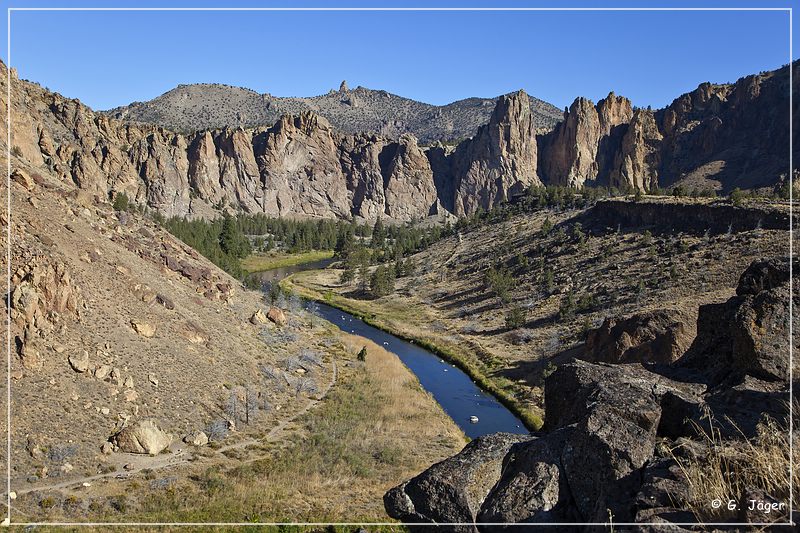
{"x":108,"y":59}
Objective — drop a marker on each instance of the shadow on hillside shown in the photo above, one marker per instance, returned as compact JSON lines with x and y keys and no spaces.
{"x":458,"y":300}
{"x":533,"y":324}
{"x":358,"y":294}
{"x":533,"y":372}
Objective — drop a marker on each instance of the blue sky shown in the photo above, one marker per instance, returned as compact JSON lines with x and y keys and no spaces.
{"x":108,"y":59}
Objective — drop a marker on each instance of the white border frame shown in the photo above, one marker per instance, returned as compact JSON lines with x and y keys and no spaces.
{"x":8,"y":521}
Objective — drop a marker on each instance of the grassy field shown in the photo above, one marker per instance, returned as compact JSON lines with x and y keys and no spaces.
{"x":259,"y":262}
{"x":376,"y":428}
{"x":404,"y":319}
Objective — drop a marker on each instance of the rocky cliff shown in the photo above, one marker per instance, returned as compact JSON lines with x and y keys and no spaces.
{"x":499,"y":161}
{"x":300,"y":166}
{"x":718,"y":136}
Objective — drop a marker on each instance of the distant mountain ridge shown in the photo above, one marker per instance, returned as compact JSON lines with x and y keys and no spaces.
{"x":214,"y":106}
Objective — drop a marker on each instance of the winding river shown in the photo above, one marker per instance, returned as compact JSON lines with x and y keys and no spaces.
{"x":458,"y":395}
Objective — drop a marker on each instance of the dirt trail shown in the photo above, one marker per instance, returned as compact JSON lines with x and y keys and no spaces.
{"x":180,"y":452}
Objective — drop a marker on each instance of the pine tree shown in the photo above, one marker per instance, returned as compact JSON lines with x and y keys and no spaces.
{"x":378,"y":234}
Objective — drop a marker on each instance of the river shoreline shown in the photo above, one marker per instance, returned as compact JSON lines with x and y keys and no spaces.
{"x":532,"y":421}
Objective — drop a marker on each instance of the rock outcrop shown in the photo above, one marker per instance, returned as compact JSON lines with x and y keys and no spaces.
{"x":43,"y":295}
{"x":300,"y":166}
{"x":500,"y":160}
{"x":601,"y":453}
{"x":301,"y":169}
{"x":454,"y":490}
{"x":660,"y":336}
{"x":637,"y":162}
{"x":142,"y":437}
{"x":748,"y":334}
{"x":718,"y":136}
{"x":583,"y":146}
{"x":408,"y":181}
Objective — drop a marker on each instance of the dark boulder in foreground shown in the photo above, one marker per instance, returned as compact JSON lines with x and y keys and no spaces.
{"x":453,"y":490}
{"x":613,"y":432}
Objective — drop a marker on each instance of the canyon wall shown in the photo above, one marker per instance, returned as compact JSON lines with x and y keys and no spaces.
{"x":718,"y":136}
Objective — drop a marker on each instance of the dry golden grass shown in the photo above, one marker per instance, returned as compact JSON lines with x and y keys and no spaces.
{"x":730,"y":467}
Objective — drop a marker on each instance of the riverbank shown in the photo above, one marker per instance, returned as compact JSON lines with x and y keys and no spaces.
{"x":405,"y":320}
{"x":260,"y":262}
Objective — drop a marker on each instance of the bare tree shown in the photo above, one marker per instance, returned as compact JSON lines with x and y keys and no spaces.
{"x":232,"y":406}
{"x":313,"y":312}
{"x":250,"y":404}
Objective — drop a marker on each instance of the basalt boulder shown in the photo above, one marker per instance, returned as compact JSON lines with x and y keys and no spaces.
{"x":749,"y":333}
{"x":602,"y":424}
{"x":534,"y":486}
{"x":453,"y":490}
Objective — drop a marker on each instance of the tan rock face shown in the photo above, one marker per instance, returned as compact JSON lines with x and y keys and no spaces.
{"x":302,"y":174}
{"x":500,"y":160}
{"x":302,"y":167}
{"x":360,"y":158}
{"x":23,"y":178}
{"x":637,"y":162}
{"x":408,"y":182}
{"x":582,"y":147}
{"x":204,"y":172}
{"x":43,"y":293}
{"x":571,"y":150}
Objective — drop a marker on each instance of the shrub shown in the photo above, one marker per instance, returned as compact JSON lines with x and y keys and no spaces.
{"x":548,"y":370}
{"x":567,"y":306}
{"x":737,"y":196}
{"x":516,"y":316}
{"x":348,"y":276}
{"x":548,"y":280}
{"x":585,"y":303}
{"x":500,"y":282}
{"x":362,"y":355}
{"x":217,"y":429}
{"x":547,"y":226}
{"x":729,"y":467}
{"x":577,"y":232}
{"x":121,"y":202}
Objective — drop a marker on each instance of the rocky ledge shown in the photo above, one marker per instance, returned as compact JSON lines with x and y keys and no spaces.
{"x":617,"y":436}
